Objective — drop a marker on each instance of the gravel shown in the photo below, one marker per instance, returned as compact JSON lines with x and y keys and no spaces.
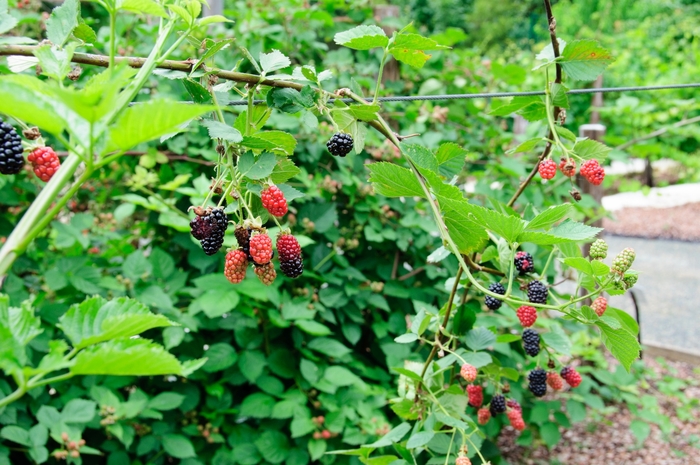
{"x":611,"y":442}
{"x":680,"y":223}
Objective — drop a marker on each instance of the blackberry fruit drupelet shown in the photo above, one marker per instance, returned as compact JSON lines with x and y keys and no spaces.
{"x":11,"y":159}
{"x":524,"y":263}
{"x":492,"y":302}
{"x":498,"y":405}
{"x":531,"y":342}
{"x":537,"y":292}
{"x":340,"y":144}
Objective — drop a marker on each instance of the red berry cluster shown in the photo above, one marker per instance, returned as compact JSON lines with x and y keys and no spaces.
{"x":599,"y":305}
{"x":591,"y":170}
{"x":555,"y":381}
{"x":468,"y":372}
{"x":515,"y":414}
{"x":236,"y":265}
{"x":274,"y":202}
{"x":527,"y":315}
{"x":547,"y":169}
{"x":571,"y":376}
{"x":44,"y":162}
{"x":476,"y":395}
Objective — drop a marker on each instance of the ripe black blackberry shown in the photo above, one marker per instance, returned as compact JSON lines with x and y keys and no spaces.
{"x":531,"y":343}
{"x":200,"y":227}
{"x":492,"y":302}
{"x":537,"y":376}
{"x":219,"y":223}
{"x":498,"y":405}
{"x":11,"y":159}
{"x":242,"y":236}
{"x":340,"y":144}
{"x":537,"y":292}
{"x":538,"y":389}
{"x":524,"y":263}
{"x":292,"y":268}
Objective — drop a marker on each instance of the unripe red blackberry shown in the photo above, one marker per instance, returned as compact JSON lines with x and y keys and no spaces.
{"x":468,"y":372}
{"x":483,"y":415}
{"x":593,"y":172}
{"x":236,"y":265}
{"x":571,"y":376}
{"x":463,"y":460}
{"x":599,"y":305}
{"x":340,"y":144}
{"x":568,"y":167}
{"x":492,"y":302}
{"x":289,"y":250}
{"x":598,"y":250}
{"x":537,"y":292}
{"x":274,"y":202}
{"x":515,"y":417}
{"x":623,"y":261}
{"x":242,"y":236}
{"x":555,"y":381}
{"x":513,"y":404}
{"x":200,"y":227}
{"x":261,"y":248}
{"x":266,"y":273}
{"x":11,"y":158}
{"x":524,"y":262}
{"x":476,"y":395}
{"x":547,"y":169}
{"x":44,"y":162}
{"x":527,"y":315}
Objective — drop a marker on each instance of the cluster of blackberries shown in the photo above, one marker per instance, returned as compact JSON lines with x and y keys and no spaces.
{"x":538,"y":382}
{"x":524,"y":263}
{"x":340,"y":144}
{"x":492,"y":302}
{"x":11,"y":159}
{"x":209,"y":229}
{"x":531,"y":342}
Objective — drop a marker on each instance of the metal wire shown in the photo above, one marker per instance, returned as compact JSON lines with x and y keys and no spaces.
{"x":412,"y":98}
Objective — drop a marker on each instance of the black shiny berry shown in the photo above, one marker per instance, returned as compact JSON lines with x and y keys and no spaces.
{"x":531,"y":342}
{"x":538,"y":389}
{"x":292,"y":268}
{"x":11,"y":158}
{"x":537,"y":292}
{"x":340,"y":144}
{"x":537,"y":376}
{"x":498,"y":405}
{"x":492,"y":302}
{"x":524,"y":263}
{"x":211,"y":228}
{"x":200,"y":227}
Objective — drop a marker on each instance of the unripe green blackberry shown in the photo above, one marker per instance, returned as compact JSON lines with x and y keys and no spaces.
{"x":630,"y":280}
{"x":623,"y":261}
{"x":599,"y":250}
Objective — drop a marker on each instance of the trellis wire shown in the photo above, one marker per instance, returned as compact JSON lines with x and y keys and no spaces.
{"x":412,"y":98}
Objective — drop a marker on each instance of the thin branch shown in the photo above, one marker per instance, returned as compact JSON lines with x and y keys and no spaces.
{"x":171,"y":156}
{"x":545,"y":153}
{"x":475,"y":266}
{"x":658,"y":132}
{"x":412,"y":273}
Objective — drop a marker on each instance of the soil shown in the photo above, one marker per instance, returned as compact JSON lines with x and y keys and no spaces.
{"x":611,"y":442}
{"x":680,"y":223}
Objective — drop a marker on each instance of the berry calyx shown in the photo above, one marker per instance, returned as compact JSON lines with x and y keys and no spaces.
{"x":537,"y":292}
{"x":261,"y":248}
{"x":44,"y":162}
{"x":476,"y":395}
{"x":599,"y":305}
{"x":498,"y":405}
{"x":483,"y":416}
{"x":274,"y":202}
{"x":593,"y":172}
{"x":598,"y":250}
{"x":492,"y":302}
{"x":11,"y":159}
{"x":547,"y":169}
{"x":623,"y":261}
{"x":524,"y":263}
{"x":555,"y":381}
{"x":571,"y":376}
{"x":468,"y":372}
{"x":515,"y":417}
{"x":236,"y":265}
{"x":527,"y":315}
{"x":289,"y":250}
{"x":340,"y":144}
{"x":531,"y":342}
{"x":567,"y":167}
{"x":266,"y":273}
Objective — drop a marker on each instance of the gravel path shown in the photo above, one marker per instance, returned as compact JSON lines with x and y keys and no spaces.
{"x":680,"y":223}
{"x":610,"y":441}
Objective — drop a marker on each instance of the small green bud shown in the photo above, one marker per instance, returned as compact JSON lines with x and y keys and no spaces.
{"x":599,"y":250}
{"x":623,"y":261}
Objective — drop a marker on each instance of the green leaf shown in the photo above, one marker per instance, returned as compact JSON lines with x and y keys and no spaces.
{"x":284,"y":170}
{"x":362,"y":38}
{"x":147,"y":121}
{"x":79,"y":411}
{"x":565,"y":133}
{"x":531,"y":108}
{"x":579,"y":263}
{"x":34,"y":101}
{"x":413,"y":58}
{"x":392,"y":180}
{"x":55,"y":63}
{"x":62,"y":21}
{"x":364,"y":112}
{"x":559,"y":97}
{"x":567,"y":231}
{"x":166,"y":401}
{"x":218,"y":130}
{"x":450,"y":158}
{"x":625,"y":319}
{"x":39,"y":435}
{"x":252,"y":364}
{"x":477,"y":359}
{"x":591,"y":149}
{"x":259,"y":167}
{"x":341,"y":376}
{"x":130,"y":357}
{"x":329,"y":347}
{"x":599,"y":268}
{"x":548,"y":217}
{"x":16,"y":434}
{"x":317,"y":448}
{"x":142,"y":6}
{"x":640,"y":429}
{"x":177,"y":446}
{"x":219,"y":357}
{"x":576,"y":410}
{"x":23,"y":324}
{"x":584,"y":60}
{"x":406,"y":338}
{"x":464,"y":318}
{"x":420,"y":156}
{"x":557,"y":341}
{"x":7,"y":21}
{"x":96,"y":320}
{"x":271,"y":140}
{"x":257,"y":405}
{"x":393,"y":436}
{"x":289,"y":100}
{"x":416,"y":42}
{"x":420,"y":439}
{"x":313,"y":327}
{"x":479,"y":339}
{"x":273,"y":446}
{"x":527,"y":145}
{"x":550,"y":434}
{"x":620,"y":342}
{"x":506,"y":226}
{"x":273,"y":61}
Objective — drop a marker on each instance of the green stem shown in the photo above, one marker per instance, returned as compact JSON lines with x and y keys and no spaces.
{"x":16,"y":395}
{"x":449,"y":448}
{"x":379,"y":78}
{"x":325,"y":259}
{"x":55,"y":379}
{"x":112,"y":38}
{"x":510,"y":270}
{"x":546,"y":265}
